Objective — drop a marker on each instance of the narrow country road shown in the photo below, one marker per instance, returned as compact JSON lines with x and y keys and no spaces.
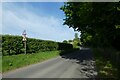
{"x":79,"y":64}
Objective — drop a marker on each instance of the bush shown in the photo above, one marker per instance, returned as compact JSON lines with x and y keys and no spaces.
{"x":64,"y":46}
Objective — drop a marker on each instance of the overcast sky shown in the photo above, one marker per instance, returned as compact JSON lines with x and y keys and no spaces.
{"x":42,"y":20}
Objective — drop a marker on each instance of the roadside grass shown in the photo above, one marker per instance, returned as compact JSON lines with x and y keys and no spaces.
{"x":106,"y":63}
{"x":17,"y":61}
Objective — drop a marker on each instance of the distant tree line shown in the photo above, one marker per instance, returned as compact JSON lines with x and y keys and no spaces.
{"x":75,"y":42}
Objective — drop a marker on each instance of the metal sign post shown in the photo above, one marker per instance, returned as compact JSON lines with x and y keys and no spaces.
{"x":24,"y":39}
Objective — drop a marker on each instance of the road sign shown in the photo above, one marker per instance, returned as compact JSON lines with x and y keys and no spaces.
{"x":24,"y":35}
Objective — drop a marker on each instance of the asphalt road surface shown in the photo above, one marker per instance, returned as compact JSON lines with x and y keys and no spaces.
{"x":79,"y":64}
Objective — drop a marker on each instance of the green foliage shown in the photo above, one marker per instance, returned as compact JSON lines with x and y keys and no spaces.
{"x":35,"y":45}
{"x":70,"y":41}
{"x":75,"y":44}
{"x":64,"y":46}
{"x":86,"y":39}
{"x":107,"y":64}
{"x":99,"y":27}
{"x":99,"y":20}
{"x":76,"y":41}
{"x":65,"y":41}
{"x":13,"y":45}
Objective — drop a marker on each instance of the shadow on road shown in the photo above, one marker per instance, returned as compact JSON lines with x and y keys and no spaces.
{"x":85,"y":59}
{"x":79,"y":55}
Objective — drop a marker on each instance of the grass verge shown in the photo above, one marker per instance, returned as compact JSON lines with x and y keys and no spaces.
{"x":106,"y":62}
{"x":17,"y":61}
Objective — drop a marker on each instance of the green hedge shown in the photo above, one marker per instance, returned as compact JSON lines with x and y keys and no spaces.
{"x":13,"y":45}
{"x":64,"y":46}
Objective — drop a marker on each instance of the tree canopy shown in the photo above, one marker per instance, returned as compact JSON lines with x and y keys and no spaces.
{"x":65,"y":41}
{"x":100,"y":21}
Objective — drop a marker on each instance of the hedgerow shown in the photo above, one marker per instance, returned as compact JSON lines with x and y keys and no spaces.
{"x":13,"y":45}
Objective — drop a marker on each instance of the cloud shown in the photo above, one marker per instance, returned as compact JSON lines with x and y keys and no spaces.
{"x":37,"y":26}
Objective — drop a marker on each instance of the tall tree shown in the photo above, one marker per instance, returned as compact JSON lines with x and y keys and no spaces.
{"x":96,"y":19}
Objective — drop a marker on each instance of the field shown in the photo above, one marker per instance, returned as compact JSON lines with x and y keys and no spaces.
{"x":17,"y":61}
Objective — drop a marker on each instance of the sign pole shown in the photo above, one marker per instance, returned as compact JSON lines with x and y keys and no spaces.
{"x":25,"y":47}
{"x":24,"y":39}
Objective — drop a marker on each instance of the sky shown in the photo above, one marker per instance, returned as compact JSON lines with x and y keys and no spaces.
{"x":0,"y":18}
{"x":41,"y":20}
